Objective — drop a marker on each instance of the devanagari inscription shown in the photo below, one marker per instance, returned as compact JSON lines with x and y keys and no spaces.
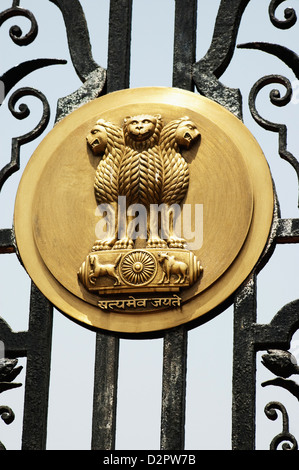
{"x":132,"y":302}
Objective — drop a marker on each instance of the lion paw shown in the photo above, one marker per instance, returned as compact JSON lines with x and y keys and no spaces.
{"x":156,"y":243}
{"x":174,"y":242}
{"x":124,"y":243}
{"x":101,"y":245}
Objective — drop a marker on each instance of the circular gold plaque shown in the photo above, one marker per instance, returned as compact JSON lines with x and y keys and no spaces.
{"x":168,"y":146}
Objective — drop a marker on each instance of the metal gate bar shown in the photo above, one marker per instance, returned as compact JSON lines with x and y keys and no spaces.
{"x":39,"y":342}
{"x":174,"y":389}
{"x":35,"y":344}
{"x":251,"y":337}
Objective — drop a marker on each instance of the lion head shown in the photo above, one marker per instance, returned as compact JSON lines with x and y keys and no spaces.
{"x":186,"y":133}
{"x":97,"y":138}
{"x":142,"y":130}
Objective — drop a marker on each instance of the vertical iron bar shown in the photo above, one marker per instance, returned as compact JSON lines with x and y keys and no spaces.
{"x":244,"y":368}
{"x":175,"y":341}
{"x":105,"y":392}
{"x":39,"y":342}
{"x":107,"y":345}
{"x":184,"y":43}
{"x":174,"y":389}
{"x":120,"y":23}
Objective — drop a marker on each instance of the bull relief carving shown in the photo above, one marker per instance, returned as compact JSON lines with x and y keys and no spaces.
{"x":141,"y":168}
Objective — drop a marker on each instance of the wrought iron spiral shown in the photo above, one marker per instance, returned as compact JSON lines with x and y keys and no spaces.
{"x":289,"y":14}
{"x":22,"y":113}
{"x":285,"y":436}
{"x":8,"y":416}
{"x":15,"y":31}
{"x":277,"y":100}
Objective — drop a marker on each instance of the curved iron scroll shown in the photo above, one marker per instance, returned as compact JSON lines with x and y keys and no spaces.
{"x":15,"y":74}
{"x":277,"y":100}
{"x":90,"y":73}
{"x":22,"y":113}
{"x":8,"y":417}
{"x":10,"y":78}
{"x":8,"y":372}
{"x":290,"y":58}
{"x":78,"y":37}
{"x":285,"y":435}
{"x":15,"y":32}
{"x":289,"y":14}
{"x":207,"y":71}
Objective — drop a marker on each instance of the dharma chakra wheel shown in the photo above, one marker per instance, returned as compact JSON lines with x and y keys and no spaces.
{"x":138,"y":267}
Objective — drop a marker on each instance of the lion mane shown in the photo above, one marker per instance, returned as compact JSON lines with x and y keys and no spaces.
{"x":107,"y":173}
{"x":176,"y":173}
{"x":141,"y":171}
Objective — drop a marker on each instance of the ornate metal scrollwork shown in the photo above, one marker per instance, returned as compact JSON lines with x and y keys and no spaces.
{"x":285,"y":436}
{"x":291,"y":59}
{"x":8,"y":416}
{"x":90,"y":73}
{"x":13,"y":76}
{"x":277,"y":100}
{"x":15,"y":31}
{"x":22,"y":113}
{"x":283,"y":364}
{"x":8,"y":372}
{"x":289,"y":14}
{"x":207,"y":71}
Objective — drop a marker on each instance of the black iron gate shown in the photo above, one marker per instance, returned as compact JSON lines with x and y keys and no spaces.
{"x":250,"y":337}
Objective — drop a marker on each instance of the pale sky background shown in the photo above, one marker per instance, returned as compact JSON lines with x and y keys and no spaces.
{"x":208,"y":411}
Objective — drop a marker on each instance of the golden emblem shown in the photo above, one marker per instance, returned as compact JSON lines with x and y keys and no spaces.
{"x":144,"y":209}
{"x":141,"y":162}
